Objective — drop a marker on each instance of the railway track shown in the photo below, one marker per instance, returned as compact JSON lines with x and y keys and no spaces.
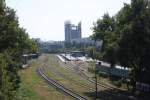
{"x":110,"y":88}
{"x":58,"y":73}
{"x":59,"y":86}
{"x":86,"y":77}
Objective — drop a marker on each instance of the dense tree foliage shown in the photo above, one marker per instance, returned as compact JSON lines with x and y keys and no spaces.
{"x":134,"y":44}
{"x":9,"y":79}
{"x":126,"y":39}
{"x":14,"y":41}
{"x":104,"y":29}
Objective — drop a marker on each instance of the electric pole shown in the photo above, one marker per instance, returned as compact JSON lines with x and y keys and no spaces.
{"x":95,"y":65}
{"x":95,"y":82}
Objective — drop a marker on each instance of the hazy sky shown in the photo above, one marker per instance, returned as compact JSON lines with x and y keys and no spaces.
{"x":45,"y":18}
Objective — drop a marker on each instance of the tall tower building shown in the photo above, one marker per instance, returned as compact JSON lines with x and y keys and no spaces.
{"x":72,"y":31}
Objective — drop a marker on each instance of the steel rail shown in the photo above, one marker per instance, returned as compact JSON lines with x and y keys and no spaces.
{"x":59,"y":86}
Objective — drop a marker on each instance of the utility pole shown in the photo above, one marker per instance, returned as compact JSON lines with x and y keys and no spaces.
{"x":65,"y":51}
{"x":97,"y":65}
{"x":96,"y":94}
{"x":65,"y":55}
{"x":95,"y":70}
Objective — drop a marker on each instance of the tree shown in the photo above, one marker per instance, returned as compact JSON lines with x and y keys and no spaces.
{"x":9,"y":78}
{"x":128,"y":41}
{"x":13,"y":42}
{"x":104,"y":30}
{"x":134,"y":44}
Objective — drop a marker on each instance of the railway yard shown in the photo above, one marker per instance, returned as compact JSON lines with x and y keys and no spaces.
{"x":69,"y":80}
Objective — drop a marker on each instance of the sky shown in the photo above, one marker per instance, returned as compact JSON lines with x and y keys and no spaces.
{"x":45,"y":18}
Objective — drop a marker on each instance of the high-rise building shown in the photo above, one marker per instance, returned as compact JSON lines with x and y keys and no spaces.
{"x":72,"y":31}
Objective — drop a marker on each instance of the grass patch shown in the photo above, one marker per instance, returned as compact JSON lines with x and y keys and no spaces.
{"x":33,"y":87}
